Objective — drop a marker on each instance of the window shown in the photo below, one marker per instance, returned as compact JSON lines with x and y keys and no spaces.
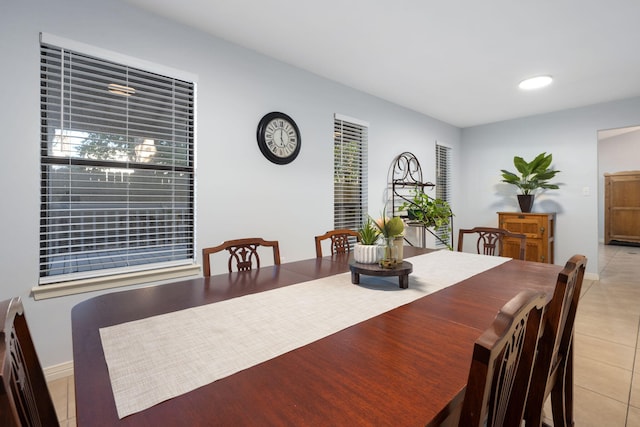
{"x":117,"y":168}
{"x":349,"y":172}
{"x":443,"y":186}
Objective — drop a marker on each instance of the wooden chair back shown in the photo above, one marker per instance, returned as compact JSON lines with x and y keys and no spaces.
{"x":243,"y":254}
{"x":502,"y":364}
{"x":491,"y":240}
{"x":339,"y":241}
{"x":24,"y":395}
{"x":553,"y":370}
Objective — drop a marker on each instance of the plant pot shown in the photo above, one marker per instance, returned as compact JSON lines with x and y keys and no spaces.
{"x":365,"y":254}
{"x":526,"y":202}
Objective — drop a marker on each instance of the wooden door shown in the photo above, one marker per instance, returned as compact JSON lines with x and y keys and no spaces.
{"x":622,"y":207}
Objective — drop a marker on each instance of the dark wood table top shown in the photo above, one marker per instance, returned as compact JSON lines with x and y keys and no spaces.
{"x":405,"y":367}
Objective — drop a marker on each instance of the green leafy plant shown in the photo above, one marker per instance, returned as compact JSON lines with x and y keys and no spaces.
{"x":369,"y":232}
{"x":532,"y":175}
{"x":427,"y":210}
{"x":430,"y":212}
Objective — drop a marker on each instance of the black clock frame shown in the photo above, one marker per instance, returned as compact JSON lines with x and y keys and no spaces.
{"x":262,"y":143}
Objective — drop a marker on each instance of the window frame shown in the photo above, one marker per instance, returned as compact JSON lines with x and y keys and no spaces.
{"x":50,"y":285}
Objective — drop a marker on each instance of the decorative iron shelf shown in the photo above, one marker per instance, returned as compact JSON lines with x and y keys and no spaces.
{"x":404,"y":177}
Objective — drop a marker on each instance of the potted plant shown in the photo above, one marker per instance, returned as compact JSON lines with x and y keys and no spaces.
{"x":366,"y":251}
{"x":532,"y":176}
{"x":431,"y":213}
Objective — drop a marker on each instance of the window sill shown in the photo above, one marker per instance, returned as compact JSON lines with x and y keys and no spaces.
{"x":108,"y":282}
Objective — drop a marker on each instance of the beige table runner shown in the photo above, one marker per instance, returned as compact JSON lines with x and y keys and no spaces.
{"x":154,"y":359}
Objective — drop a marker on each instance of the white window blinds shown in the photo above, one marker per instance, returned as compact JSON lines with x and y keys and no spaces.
{"x":117,"y":174}
{"x":443,"y":186}
{"x":349,"y":173}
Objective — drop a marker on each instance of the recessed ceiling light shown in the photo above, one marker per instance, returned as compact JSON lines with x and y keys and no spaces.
{"x":535,"y":82}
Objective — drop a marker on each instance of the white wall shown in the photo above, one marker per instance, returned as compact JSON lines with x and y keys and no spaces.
{"x":239,"y":193}
{"x":571,"y":136}
{"x":616,"y":154}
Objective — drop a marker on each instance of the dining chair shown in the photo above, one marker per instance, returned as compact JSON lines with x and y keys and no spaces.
{"x":24,"y":396}
{"x":502,"y":363}
{"x":339,"y":241}
{"x":553,"y":368}
{"x":243,"y":253}
{"x":491,"y":240}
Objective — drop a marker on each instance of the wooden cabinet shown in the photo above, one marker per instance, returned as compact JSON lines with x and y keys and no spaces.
{"x":622,"y":207}
{"x":539,"y":229}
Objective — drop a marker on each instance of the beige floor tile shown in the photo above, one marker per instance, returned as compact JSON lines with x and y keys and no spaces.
{"x":59,"y":395}
{"x":618,"y":355}
{"x":586,"y":285}
{"x":619,"y":276}
{"x":633,"y":417}
{"x":71,"y":411}
{"x":609,"y":311}
{"x":622,"y":298}
{"x":625,"y":256}
{"x":634,"y":399}
{"x":605,"y":379}
{"x":622,"y":288}
{"x":592,"y":409}
{"x":616,"y":331}
{"x":619,"y":279}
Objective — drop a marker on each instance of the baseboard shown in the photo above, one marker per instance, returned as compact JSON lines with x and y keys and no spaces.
{"x":592,"y":276}
{"x":56,"y":372}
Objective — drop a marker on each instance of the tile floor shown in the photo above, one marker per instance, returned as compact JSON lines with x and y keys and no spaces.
{"x":607,"y":369}
{"x":64,"y":399}
{"x":607,"y":366}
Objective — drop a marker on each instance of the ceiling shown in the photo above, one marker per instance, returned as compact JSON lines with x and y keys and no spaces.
{"x":459,"y":61}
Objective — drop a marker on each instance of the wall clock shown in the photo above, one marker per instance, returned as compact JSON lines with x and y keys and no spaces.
{"x":279,"y":138}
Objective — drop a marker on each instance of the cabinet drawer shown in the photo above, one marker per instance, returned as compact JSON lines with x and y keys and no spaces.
{"x":533,"y":228}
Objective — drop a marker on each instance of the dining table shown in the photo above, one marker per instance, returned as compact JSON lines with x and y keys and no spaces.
{"x":407,"y":366}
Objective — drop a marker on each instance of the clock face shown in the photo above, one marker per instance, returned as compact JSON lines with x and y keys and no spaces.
{"x":278,"y":138}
